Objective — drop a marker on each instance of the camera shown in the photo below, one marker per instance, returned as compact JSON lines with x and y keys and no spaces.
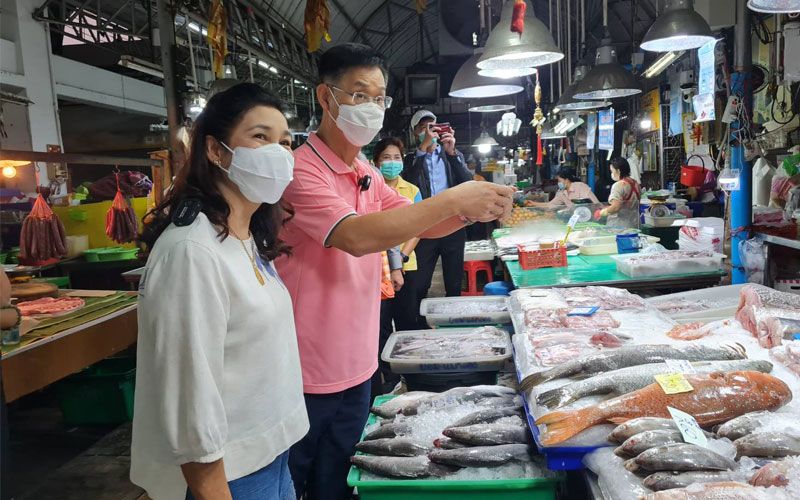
{"x":688,"y":93}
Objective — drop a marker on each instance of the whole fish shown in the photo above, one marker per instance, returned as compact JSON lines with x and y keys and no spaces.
{"x":638,"y":425}
{"x":767,"y":445}
{"x":716,"y":398}
{"x":459,"y":395}
{"x":625,"y":380}
{"x":749,"y":423}
{"x":723,"y":490}
{"x":446,"y":443}
{"x":489,"y":434}
{"x":643,"y":441}
{"x":487,"y":416}
{"x":401,"y":467}
{"x":482,"y":456}
{"x":391,"y":447}
{"x":679,"y":457}
{"x":775,"y":473}
{"x":394,"y":406}
{"x":659,"y":481}
{"x":632,"y":355}
{"x":390,"y":430}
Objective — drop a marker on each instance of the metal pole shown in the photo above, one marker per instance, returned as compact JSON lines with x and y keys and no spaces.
{"x":661,"y":152}
{"x":560,"y":46}
{"x":550,"y":25}
{"x":742,"y":199}
{"x":166,"y":27}
{"x":191,"y":55}
{"x":569,"y":42}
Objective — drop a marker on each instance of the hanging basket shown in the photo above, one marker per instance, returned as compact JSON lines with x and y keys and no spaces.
{"x":693,"y":175}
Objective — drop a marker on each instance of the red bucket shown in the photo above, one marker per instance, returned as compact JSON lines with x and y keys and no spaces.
{"x":693,"y":175}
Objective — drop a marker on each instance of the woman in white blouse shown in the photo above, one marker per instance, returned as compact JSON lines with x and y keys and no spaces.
{"x":623,"y":209}
{"x":219,"y":396}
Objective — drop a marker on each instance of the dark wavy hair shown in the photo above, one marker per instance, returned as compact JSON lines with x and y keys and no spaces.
{"x":382,"y":145}
{"x":623,"y":166}
{"x":200,"y":179}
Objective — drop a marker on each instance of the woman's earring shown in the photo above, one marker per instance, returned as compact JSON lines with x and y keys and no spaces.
{"x":217,"y":163}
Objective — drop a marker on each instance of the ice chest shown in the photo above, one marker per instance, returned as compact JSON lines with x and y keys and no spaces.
{"x":455,"y":318}
{"x":446,"y":365}
{"x":630,"y":266}
{"x":540,"y":488}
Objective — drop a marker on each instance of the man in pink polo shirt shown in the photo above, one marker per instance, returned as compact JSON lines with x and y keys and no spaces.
{"x":344,"y":215}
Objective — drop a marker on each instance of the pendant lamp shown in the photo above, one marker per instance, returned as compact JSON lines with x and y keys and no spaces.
{"x":567,"y":101}
{"x":775,"y":6}
{"x":484,"y":143}
{"x":608,"y":79}
{"x":491,"y":108}
{"x":508,"y":50}
{"x":679,"y":27}
{"x":505,"y":74}
{"x":469,"y":84}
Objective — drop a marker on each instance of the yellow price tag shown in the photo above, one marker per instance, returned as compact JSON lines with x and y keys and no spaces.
{"x":673,"y":383}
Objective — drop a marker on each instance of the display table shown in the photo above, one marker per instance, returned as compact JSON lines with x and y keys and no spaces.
{"x":584,"y":270}
{"x":55,"y":352}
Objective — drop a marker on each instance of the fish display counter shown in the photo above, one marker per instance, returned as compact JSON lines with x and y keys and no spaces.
{"x":658,"y":408}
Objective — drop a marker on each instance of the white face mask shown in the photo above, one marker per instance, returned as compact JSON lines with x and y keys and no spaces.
{"x":614,"y":175}
{"x":359,"y":123}
{"x":262,"y":173}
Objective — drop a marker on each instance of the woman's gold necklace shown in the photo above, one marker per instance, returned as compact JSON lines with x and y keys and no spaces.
{"x":256,"y":270}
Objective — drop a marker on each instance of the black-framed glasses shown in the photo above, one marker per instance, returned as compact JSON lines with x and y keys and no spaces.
{"x":362,"y":98}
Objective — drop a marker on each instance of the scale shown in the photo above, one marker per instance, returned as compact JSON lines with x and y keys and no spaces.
{"x":658,"y":207}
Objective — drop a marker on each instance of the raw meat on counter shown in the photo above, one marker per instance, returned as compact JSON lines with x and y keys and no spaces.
{"x":689,"y":331}
{"x":788,"y":355}
{"x":598,"y":320}
{"x":758,"y":296}
{"x":776,"y":473}
{"x":610,"y":299}
{"x":716,"y":398}
{"x":49,"y":305}
{"x":457,"y":307}
{"x":775,"y":325}
{"x":544,"y":318}
{"x":724,"y":490}
{"x":481,"y":342}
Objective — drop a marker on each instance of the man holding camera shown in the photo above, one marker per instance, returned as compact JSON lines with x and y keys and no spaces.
{"x":434,"y":166}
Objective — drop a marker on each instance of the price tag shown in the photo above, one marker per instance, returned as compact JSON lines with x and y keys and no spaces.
{"x":679,"y":366}
{"x":673,"y":383}
{"x":584,"y":311}
{"x":576,"y":217}
{"x":687,"y":425}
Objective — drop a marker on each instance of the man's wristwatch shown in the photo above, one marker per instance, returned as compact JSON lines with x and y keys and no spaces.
{"x":406,"y":258}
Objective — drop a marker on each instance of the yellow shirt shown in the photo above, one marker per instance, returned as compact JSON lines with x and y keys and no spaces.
{"x":410,"y":191}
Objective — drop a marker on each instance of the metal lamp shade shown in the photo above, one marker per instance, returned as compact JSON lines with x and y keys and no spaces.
{"x":774,"y":6}
{"x":608,"y":79}
{"x":491,"y":108}
{"x":469,"y":84}
{"x":567,"y":101}
{"x":507,"y":50}
{"x":679,"y":27}
{"x":485,"y":140}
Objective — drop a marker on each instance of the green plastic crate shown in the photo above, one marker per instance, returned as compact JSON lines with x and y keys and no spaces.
{"x":437,"y":489}
{"x":100,"y":394}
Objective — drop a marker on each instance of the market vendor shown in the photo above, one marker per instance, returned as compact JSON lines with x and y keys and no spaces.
{"x":623,"y":209}
{"x":344,"y":215}
{"x":570,"y":188}
{"x":219,"y":397}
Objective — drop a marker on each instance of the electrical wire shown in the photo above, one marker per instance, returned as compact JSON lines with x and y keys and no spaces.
{"x":762,"y":31}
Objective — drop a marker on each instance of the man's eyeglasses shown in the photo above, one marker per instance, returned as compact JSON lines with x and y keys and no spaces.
{"x":362,"y":98}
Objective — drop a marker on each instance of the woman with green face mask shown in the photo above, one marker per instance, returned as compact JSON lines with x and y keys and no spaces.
{"x":388,"y":158}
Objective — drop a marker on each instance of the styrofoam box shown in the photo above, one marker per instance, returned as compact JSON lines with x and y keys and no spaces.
{"x":726,"y":298}
{"x":464,"y":319}
{"x":626,"y":264}
{"x":788,"y":286}
{"x":444,"y":365}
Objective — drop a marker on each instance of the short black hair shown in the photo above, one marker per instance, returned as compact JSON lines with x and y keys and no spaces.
{"x":337,"y":60}
{"x":568,"y":173}
{"x":623,"y":166}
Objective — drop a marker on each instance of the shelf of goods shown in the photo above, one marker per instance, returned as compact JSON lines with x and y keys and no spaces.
{"x":587,"y":380}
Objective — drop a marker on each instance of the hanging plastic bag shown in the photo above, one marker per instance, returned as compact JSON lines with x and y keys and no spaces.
{"x":753,"y":257}
{"x":42,"y":236}
{"x":121,"y":223}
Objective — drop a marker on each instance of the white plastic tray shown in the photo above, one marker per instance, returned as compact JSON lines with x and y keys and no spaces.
{"x":445,"y":365}
{"x":626,"y":265}
{"x":725,"y":300}
{"x":464,"y":318}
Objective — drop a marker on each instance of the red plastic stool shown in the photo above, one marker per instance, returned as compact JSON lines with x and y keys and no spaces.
{"x":472,"y":268}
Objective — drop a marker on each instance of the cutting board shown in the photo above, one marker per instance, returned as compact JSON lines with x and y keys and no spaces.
{"x":33,"y":291}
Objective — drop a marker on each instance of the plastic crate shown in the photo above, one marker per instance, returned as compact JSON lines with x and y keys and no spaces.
{"x":439,"y":489}
{"x":534,"y":257}
{"x":631,"y":267}
{"x":463,"y":319}
{"x":100,"y":394}
{"x":445,"y":365}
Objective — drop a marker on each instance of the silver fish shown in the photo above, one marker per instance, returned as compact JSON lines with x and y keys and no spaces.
{"x":401,"y":467}
{"x":459,"y":395}
{"x":622,"y":357}
{"x":394,"y":406}
{"x":767,"y":445}
{"x":392,"y":447}
{"x":638,"y":425}
{"x":446,"y":443}
{"x":749,"y":423}
{"x":389,"y":430}
{"x":487,"y":416}
{"x":643,"y":441}
{"x":669,"y":480}
{"x":482,"y":456}
{"x":489,"y":434}
{"x":679,"y":457}
{"x":625,"y":380}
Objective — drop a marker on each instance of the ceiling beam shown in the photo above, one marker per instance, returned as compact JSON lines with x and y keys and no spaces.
{"x":359,"y":32}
